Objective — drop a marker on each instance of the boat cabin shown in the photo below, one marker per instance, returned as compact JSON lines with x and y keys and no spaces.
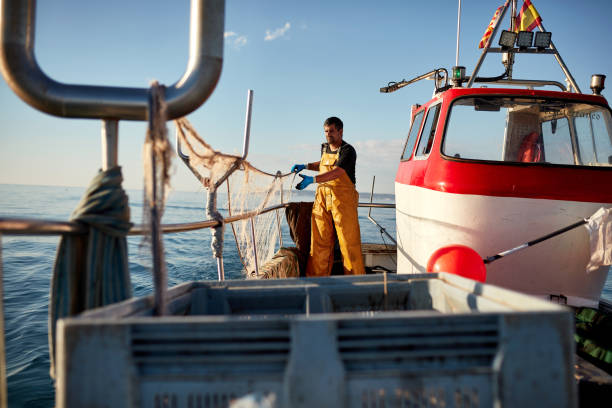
{"x":492,"y":168}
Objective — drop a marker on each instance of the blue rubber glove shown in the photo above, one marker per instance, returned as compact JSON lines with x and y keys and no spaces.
{"x":306,"y":181}
{"x":297,"y":168}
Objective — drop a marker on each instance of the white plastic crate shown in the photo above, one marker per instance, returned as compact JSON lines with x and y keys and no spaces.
{"x":432,"y":340}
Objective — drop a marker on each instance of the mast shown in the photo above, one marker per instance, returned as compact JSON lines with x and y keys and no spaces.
{"x":508,"y":57}
{"x":458,"y":31}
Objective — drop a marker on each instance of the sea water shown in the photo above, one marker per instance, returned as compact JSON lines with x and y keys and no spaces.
{"x":28,"y":261}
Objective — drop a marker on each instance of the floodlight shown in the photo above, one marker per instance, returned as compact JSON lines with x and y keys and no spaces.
{"x":525,"y":39}
{"x":507,"y":38}
{"x":542,"y":39}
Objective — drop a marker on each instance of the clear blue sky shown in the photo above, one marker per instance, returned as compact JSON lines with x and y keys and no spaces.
{"x":321,"y":58}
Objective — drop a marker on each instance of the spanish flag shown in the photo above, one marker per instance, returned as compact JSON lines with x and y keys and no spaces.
{"x":487,"y":35}
{"x":528,"y":17}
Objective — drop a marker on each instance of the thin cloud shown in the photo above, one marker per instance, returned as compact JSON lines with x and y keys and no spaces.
{"x":279,"y":32}
{"x":240,"y":41}
{"x":236,"y":40}
{"x":379,"y":153}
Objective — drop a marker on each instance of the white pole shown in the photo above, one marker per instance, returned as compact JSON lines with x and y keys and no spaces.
{"x":458,"y":30}
{"x":110,"y":142}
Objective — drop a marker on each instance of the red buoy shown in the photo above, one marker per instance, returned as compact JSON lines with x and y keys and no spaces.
{"x":460,"y":260}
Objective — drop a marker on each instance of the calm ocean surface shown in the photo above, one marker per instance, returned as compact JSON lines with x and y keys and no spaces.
{"x":28,"y":261}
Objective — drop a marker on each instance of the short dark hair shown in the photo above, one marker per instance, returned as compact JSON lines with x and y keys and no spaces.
{"x":334,"y":121}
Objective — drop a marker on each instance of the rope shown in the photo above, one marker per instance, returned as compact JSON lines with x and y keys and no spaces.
{"x":92,"y":270}
{"x":211,"y":159}
{"x":212,"y":213}
{"x":382,"y":236}
{"x":157,"y":157}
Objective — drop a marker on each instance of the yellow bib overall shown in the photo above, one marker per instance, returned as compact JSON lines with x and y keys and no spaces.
{"x":335,"y":204}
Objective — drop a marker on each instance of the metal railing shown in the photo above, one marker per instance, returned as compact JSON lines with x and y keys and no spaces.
{"x":29,"y":226}
{"x":550,"y":50}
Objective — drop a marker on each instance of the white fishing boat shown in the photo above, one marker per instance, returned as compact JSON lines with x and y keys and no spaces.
{"x":494,"y":185}
{"x":497,"y":166}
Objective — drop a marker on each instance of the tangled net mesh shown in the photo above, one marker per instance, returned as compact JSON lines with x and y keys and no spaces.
{"x":247,"y":190}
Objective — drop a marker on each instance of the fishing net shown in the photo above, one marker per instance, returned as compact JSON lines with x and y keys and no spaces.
{"x":240,"y":189}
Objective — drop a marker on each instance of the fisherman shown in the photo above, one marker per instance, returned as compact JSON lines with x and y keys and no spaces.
{"x":335,"y":205}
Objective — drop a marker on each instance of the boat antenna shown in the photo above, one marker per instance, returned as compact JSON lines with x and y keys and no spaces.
{"x":458,"y":30}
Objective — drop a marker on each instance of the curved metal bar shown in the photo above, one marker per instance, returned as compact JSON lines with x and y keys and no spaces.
{"x":23,"y":74}
{"x":380,"y":227}
{"x":394,"y":86}
{"x":529,"y":82}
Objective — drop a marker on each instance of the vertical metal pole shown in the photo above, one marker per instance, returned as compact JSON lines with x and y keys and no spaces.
{"x":216,"y":242}
{"x":254,"y":246}
{"x":3,"y":391}
{"x":593,"y":139}
{"x":278,"y":222}
{"x":247,"y":124}
{"x":371,"y":195}
{"x":458,"y":31}
{"x":220,"y":270}
{"x":280,"y":232}
{"x":110,"y":137}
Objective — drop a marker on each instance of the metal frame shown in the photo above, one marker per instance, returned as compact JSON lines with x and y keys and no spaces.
{"x":23,"y":74}
{"x":438,"y":76}
{"x":528,"y":82}
{"x":552,"y":50}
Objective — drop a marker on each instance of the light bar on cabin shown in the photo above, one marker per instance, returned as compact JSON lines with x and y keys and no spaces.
{"x":542,"y":40}
{"x":507,"y":39}
{"x":524,"y":39}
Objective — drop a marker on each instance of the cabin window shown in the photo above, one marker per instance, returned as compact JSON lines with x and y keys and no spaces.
{"x":429,"y":130}
{"x":412,"y":135}
{"x":529,"y":130}
{"x":594,"y":137}
{"x":557,"y":141}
